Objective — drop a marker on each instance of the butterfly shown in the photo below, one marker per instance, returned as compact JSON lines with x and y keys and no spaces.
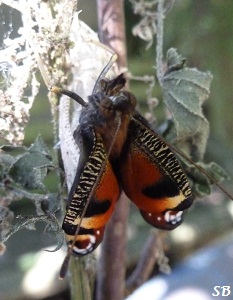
{"x":120,"y":151}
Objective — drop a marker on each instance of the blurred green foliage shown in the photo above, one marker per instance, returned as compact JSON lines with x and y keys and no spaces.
{"x":202,"y":32}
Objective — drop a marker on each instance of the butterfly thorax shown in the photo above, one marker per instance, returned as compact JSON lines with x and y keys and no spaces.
{"x":109,"y":115}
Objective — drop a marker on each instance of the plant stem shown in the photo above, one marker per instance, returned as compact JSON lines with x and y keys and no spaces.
{"x":80,"y":287}
{"x":151,"y":253}
{"x":111,"y":269}
{"x":111,"y":24}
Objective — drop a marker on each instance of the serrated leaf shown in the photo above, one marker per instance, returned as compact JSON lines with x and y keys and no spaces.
{"x":217,"y":172}
{"x":6,"y":160}
{"x":30,"y":170}
{"x":200,"y":182}
{"x":51,"y":203}
{"x":39,"y":146}
{"x":185,"y":90}
{"x":201,"y":190}
{"x":10,"y":148}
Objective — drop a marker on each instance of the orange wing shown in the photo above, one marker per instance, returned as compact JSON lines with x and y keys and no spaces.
{"x":91,"y":201}
{"x":152,"y":177}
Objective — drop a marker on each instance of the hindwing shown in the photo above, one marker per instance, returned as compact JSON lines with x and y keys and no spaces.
{"x":152,"y":177}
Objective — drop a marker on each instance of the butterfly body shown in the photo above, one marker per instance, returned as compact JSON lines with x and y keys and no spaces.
{"x":119,"y":151}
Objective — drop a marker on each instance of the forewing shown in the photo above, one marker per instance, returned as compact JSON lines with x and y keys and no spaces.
{"x":91,"y":201}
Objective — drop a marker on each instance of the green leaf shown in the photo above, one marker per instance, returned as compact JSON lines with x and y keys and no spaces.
{"x":201,"y":190}
{"x":28,"y":222}
{"x":218,"y":173}
{"x":51,"y":203}
{"x":30,"y":170}
{"x":6,"y":160}
{"x":185,"y":90}
{"x":10,"y":148}
{"x":200,"y":182}
{"x":39,"y":146}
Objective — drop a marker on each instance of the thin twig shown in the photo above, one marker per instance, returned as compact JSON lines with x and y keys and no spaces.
{"x":113,"y":255}
{"x":152,"y":253}
{"x":159,"y":43}
{"x":111,"y":268}
{"x":111,"y":24}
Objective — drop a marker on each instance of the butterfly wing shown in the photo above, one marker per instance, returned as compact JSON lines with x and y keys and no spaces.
{"x":153,"y":178}
{"x":92,"y":197}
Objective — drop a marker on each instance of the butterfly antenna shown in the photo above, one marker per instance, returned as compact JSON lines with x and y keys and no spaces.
{"x":104,"y":72}
{"x":68,"y":93}
{"x":75,"y":96}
